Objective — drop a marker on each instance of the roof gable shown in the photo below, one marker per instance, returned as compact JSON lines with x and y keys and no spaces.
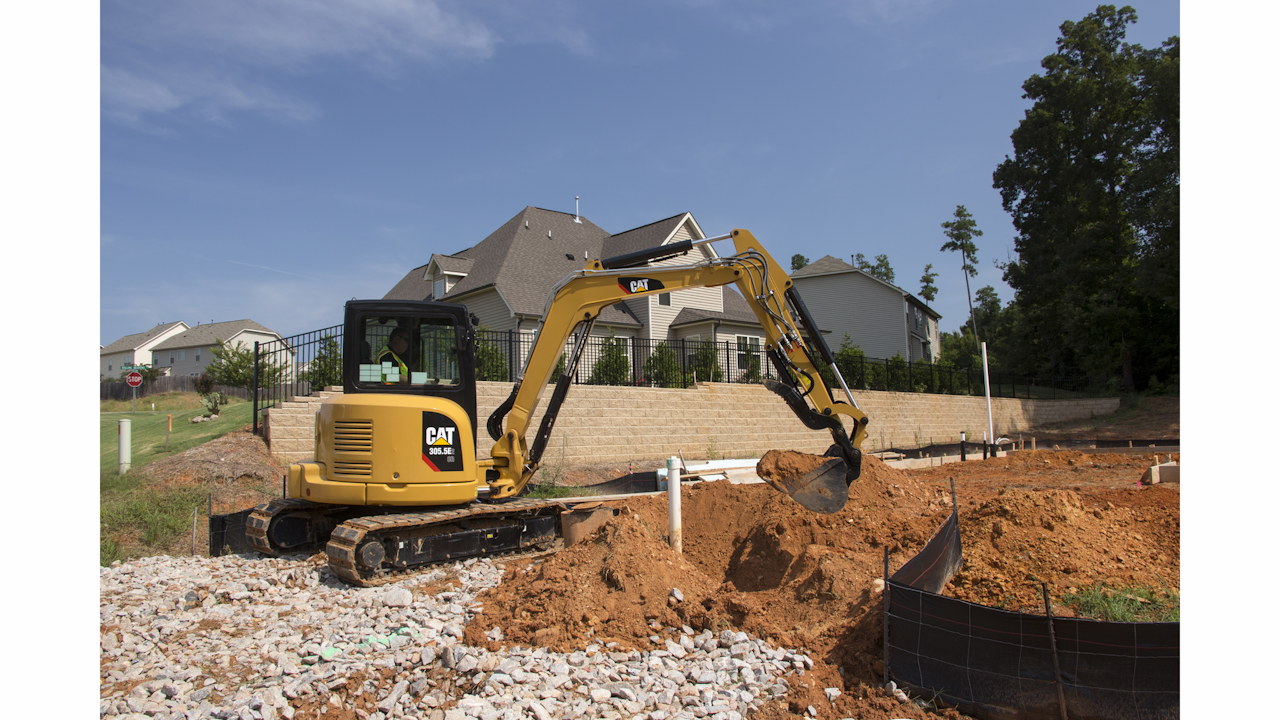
{"x":137,"y":340}
{"x":210,"y":334}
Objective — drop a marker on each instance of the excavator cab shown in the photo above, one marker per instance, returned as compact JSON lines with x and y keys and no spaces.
{"x":407,"y":347}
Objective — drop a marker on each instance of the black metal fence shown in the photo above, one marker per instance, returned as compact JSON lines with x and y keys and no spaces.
{"x":295,"y":366}
{"x":300,"y":364}
{"x":679,"y":363}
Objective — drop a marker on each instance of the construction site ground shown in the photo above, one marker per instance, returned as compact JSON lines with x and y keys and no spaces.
{"x":756,"y":561}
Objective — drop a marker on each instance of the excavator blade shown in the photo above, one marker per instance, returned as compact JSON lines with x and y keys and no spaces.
{"x":822,"y":490}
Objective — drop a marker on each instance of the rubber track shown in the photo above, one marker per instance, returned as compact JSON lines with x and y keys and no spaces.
{"x":255,"y":528}
{"x":344,"y":540}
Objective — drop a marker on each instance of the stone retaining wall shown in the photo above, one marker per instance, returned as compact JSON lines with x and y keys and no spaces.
{"x":714,"y":420}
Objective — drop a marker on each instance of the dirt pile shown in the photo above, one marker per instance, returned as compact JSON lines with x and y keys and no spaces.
{"x":780,"y":464}
{"x":1021,"y":538}
{"x":755,"y":560}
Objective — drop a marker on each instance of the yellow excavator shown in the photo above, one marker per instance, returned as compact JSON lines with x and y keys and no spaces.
{"x":396,"y":482}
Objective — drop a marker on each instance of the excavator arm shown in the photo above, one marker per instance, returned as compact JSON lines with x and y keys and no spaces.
{"x":575,"y":303}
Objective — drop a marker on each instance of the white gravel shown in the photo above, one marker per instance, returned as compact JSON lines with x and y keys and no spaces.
{"x":257,"y":638}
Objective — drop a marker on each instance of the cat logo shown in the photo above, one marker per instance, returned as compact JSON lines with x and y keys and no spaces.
{"x":441,"y":443}
{"x":440,"y":435}
{"x":633,"y":285}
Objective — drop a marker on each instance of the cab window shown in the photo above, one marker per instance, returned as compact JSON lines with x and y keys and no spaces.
{"x":409,"y":352}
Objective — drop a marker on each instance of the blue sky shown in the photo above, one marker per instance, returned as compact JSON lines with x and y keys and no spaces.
{"x":272,"y":160}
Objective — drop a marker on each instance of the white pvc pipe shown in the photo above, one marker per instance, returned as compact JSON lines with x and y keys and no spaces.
{"x":125,"y":432}
{"x":986,"y":373}
{"x":673,"y":502}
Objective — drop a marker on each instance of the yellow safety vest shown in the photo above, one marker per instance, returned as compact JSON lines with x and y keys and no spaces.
{"x":404,"y":369}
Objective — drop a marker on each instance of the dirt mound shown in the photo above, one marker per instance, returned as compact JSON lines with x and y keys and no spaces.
{"x":235,"y":456}
{"x":755,"y":560}
{"x":1021,"y":538}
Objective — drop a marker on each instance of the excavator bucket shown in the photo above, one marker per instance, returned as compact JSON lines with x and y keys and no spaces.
{"x":822,"y":490}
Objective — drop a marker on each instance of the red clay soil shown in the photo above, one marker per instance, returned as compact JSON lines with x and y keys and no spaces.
{"x":756,"y":561}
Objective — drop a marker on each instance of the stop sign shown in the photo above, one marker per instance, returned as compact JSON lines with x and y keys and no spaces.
{"x":134,"y":379}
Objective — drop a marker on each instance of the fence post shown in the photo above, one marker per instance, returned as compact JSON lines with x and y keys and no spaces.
{"x":511,"y":355}
{"x":255,"y":387}
{"x":1053,"y":646}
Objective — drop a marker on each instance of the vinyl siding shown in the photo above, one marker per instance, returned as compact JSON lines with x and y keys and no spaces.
{"x":188,"y":365}
{"x":492,"y":310}
{"x":874,"y":315}
{"x":659,"y":317}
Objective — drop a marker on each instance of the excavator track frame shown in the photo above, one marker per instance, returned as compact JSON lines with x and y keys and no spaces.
{"x":540,"y":533}
{"x":348,"y":561}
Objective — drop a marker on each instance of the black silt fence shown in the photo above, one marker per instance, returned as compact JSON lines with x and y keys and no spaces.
{"x":226,"y":533}
{"x":992,"y":663}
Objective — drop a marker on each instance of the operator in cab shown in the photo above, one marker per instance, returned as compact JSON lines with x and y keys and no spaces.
{"x":396,"y":352}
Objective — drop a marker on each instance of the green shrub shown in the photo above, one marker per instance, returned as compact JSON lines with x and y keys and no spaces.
{"x":662,"y":367}
{"x":612,"y":367}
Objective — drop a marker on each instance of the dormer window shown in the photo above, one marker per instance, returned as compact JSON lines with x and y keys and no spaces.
{"x":439,"y":288}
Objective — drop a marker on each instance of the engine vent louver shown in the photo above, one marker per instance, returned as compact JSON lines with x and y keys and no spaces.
{"x":353,"y":436}
{"x":352,"y":469}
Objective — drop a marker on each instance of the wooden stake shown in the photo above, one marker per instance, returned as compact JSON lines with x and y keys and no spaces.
{"x":1053,"y":646}
{"x":194,"y":510}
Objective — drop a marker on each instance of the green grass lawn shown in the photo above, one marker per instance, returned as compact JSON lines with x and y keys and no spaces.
{"x":148,"y":431}
{"x":136,"y":516}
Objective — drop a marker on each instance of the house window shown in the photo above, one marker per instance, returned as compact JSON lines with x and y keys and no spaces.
{"x":170,"y":357}
{"x":182,"y":354}
{"x":108,"y":366}
{"x":664,"y":299}
{"x":197,"y":354}
{"x":439,"y":289}
{"x":748,"y":349}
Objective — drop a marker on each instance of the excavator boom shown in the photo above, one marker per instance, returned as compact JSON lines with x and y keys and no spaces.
{"x":792,"y":343}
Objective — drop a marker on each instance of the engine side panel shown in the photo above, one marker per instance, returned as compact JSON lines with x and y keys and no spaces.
{"x":391,"y":449}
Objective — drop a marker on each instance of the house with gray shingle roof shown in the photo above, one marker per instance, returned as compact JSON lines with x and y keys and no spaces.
{"x":881,"y":318}
{"x":188,"y":352}
{"x":134,"y":349}
{"x":505,"y":279}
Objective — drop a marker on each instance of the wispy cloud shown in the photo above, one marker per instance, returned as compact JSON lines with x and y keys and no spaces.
{"x":264,"y":267}
{"x":211,"y":59}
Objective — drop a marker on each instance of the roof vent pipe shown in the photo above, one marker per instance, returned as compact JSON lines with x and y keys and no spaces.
{"x":576,"y":218}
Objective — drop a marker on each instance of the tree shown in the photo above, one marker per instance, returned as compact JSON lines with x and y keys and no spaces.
{"x":662,"y":367}
{"x":798,"y":261}
{"x":961,"y":231}
{"x":880,"y":269}
{"x":326,"y":367}
{"x":612,"y":367}
{"x":232,"y":365}
{"x":928,"y":290}
{"x":1092,"y":189}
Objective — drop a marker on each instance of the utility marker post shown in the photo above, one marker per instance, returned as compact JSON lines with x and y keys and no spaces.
{"x":673,"y":503}
{"x":125,"y":437}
